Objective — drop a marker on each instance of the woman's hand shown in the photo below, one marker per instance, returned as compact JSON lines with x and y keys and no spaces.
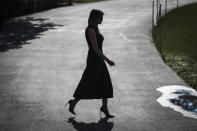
{"x":111,"y":63}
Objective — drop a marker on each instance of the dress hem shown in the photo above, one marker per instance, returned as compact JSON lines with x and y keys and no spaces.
{"x":91,"y":98}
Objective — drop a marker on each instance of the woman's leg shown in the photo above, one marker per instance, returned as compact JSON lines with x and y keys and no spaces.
{"x":104,"y":102}
{"x":104,"y":108}
{"x":74,"y":102}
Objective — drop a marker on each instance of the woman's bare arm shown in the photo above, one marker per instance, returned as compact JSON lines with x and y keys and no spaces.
{"x":92,"y":36}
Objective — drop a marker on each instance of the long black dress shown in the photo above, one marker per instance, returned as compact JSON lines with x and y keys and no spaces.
{"x":95,"y":82}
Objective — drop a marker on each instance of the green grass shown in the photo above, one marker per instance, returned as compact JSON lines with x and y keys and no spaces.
{"x":179,"y":42}
{"x":85,"y":1}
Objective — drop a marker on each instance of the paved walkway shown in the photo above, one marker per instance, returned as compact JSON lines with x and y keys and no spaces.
{"x":43,"y":56}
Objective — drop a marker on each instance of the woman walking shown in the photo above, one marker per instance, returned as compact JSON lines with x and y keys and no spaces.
{"x":95,"y":82}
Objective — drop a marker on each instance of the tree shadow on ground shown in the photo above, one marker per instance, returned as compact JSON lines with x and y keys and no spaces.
{"x":17,"y":32}
{"x":101,"y":125}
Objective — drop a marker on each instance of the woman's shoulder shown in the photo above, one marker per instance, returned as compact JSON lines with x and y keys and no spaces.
{"x":91,"y":28}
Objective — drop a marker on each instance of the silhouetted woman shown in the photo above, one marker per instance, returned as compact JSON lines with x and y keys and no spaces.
{"x":95,"y":82}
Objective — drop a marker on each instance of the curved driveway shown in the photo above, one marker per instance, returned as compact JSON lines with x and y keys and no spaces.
{"x":43,"y":56}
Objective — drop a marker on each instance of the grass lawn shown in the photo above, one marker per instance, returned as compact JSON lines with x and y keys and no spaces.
{"x":85,"y":1}
{"x":179,"y":42}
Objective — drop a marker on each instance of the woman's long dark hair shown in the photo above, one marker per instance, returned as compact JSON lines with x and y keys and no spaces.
{"x":95,"y":16}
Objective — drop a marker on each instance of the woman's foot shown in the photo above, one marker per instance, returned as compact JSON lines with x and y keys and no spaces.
{"x":71,"y":109}
{"x":105,"y":111}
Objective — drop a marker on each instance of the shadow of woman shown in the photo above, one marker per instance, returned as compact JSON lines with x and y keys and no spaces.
{"x":101,"y":125}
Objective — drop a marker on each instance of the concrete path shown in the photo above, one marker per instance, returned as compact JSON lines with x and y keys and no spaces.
{"x":43,"y":56}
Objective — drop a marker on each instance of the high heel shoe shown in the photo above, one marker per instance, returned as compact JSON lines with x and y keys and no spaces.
{"x":106,"y":113}
{"x":70,"y":104}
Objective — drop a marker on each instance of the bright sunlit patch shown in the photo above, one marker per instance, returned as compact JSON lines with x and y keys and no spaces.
{"x":180,"y":98}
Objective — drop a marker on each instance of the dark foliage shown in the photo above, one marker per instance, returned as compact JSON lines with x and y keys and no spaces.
{"x":11,"y":8}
